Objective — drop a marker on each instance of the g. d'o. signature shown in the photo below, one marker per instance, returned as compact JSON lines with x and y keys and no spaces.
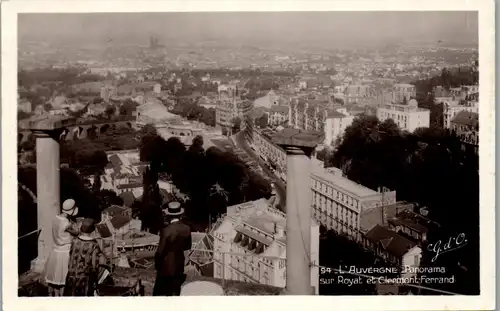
{"x":453,"y":243}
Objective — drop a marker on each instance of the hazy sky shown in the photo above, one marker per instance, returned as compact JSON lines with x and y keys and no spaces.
{"x":460,"y":27}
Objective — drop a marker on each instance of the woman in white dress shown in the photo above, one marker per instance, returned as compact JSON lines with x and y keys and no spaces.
{"x":63,"y":231}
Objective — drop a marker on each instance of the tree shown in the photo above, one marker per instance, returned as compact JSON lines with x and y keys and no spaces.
{"x":105,"y":198}
{"x":47,"y":107}
{"x":72,"y":187}
{"x":150,"y":211}
{"x":197,"y":145}
{"x":428,"y":167}
{"x":128,"y":107}
{"x":148,"y":131}
{"x":22,"y":115}
{"x":262,"y":121}
{"x":236,"y":125}
{"x":110,"y":111}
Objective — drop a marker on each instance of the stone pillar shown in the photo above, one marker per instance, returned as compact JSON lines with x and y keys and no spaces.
{"x":47,"y":131}
{"x":48,"y":190}
{"x":299,"y":146}
{"x":298,"y":221}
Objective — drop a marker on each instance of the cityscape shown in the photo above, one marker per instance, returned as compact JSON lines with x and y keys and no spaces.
{"x":312,"y":153}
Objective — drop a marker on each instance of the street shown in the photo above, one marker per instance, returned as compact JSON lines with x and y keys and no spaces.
{"x":279,"y":185}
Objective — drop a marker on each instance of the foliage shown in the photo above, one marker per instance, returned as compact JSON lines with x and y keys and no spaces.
{"x":236,"y":125}
{"x":22,"y":115}
{"x":192,"y":111}
{"x":211,"y":179}
{"x":110,"y":111}
{"x":262,"y":121}
{"x":113,"y":139}
{"x":447,"y":79}
{"x":43,"y":75}
{"x":325,"y":156}
{"x":105,"y":198}
{"x":427,"y":166}
{"x":72,"y":187}
{"x":128,"y":107}
{"x":90,"y":161}
{"x":47,"y":107}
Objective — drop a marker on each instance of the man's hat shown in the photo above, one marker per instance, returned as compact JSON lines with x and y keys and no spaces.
{"x":69,"y":207}
{"x":174,"y":209}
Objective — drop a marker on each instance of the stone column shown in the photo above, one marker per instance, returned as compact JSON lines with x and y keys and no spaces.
{"x":47,"y":131}
{"x":48,"y":190}
{"x":299,"y":146}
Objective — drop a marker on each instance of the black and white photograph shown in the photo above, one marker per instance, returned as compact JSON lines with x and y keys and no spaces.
{"x":250,"y":153}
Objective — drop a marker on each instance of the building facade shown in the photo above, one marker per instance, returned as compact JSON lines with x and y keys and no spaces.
{"x":403,"y":92}
{"x":278,"y":115}
{"x":270,"y":152}
{"x":316,"y":116}
{"x":250,"y":245}
{"x":336,"y":124}
{"x":408,"y":117}
{"x":466,"y":125}
{"x":395,"y":249}
{"x":227,"y":110}
{"x":338,"y":202}
{"x":451,"y":109}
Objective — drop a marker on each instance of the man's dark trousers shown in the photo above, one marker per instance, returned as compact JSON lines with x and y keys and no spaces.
{"x":168,"y":285}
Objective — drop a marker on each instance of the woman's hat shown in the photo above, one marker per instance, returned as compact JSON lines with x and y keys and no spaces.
{"x":69,"y":207}
{"x":174,"y":209}
{"x":88,"y":226}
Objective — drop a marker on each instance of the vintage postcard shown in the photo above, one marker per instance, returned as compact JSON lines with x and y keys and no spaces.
{"x":337,"y":149}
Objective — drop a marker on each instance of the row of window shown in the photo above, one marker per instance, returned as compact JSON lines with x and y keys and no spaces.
{"x":337,"y":212}
{"x":333,"y":193}
{"x":335,"y":224}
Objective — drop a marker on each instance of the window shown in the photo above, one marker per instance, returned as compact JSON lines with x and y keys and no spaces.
{"x":416,"y":260}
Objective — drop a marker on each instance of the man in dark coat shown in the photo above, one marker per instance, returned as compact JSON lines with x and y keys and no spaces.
{"x":175,"y":238}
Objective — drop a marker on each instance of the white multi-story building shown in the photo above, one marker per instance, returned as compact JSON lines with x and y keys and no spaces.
{"x":270,"y":152}
{"x":451,"y":109}
{"x":338,"y":201}
{"x":250,"y":245}
{"x":336,"y":124}
{"x":402,"y":92}
{"x":278,"y":115}
{"x":407,"y":117}
{"x":312,"y":115}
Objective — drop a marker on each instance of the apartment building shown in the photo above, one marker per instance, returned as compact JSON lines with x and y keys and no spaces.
{"x":314,"y":115}
{"x":336,"y":124}
{"x":402,"y":92}
{"x":227,"y":110}
{"x":452,"y":108}
{"x":107,"y":92}
{"x":277,"y":115}
{"x":394,"y":248}
{"x":466,"y":126}
{"x":338,"y":202}
{"x":250,"y":245}
{"x":408,"y":117}
{"x":270,"y":152}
